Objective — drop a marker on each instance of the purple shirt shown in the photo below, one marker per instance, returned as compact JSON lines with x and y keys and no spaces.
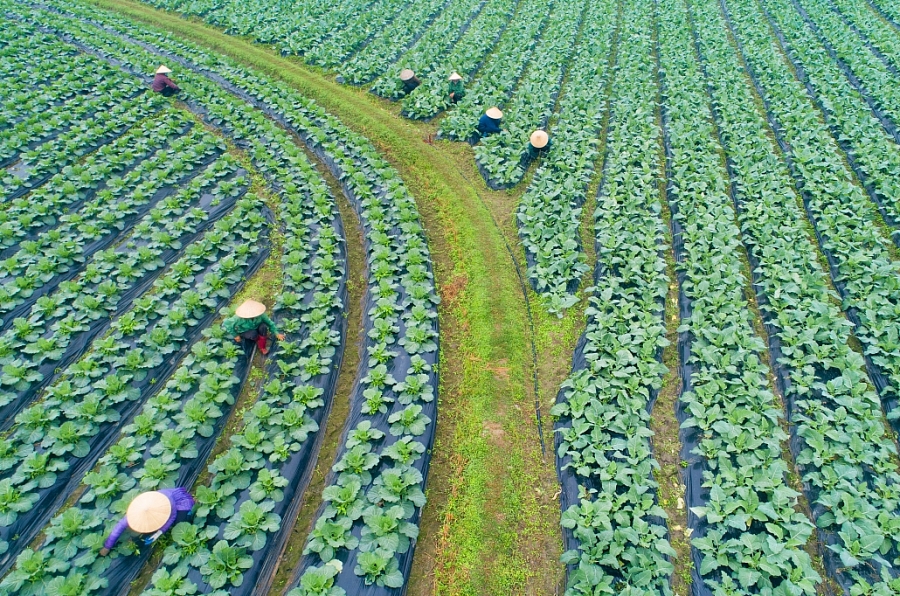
{"x":180,"y":499}
{"x":161,"y":81}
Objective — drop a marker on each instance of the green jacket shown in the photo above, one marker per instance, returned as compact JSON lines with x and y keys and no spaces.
{"x":457,"y":87}
{"x":234,"y":326}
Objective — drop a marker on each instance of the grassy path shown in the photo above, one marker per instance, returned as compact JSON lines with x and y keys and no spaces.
{"x":491,"y":525}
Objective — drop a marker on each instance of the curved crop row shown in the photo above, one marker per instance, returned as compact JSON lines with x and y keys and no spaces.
{"x":466,"y":57}
{"x":748,"y":532}
{"x":339,"y":46}
{"x":549,"y":214}
{"x":72,"y":101}
{"x":257,"y":482}
{"x":615,"y":531}
{"x":823,"y":379}
{"x":400,"y":378}
{"x":500,"y":156}
{"x":57,"y":254}
{"x":73,"y":422}
{"x":165,"y":445}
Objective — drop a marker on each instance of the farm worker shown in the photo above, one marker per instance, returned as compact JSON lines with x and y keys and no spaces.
{"x":538,"y":144}
{"x":251,"y":322}
{"x":457,"y":92}
{"x":153,"y":513}
{"x":490,"y":121}
{"x":409,"y":80}
{"x":163,"y":84}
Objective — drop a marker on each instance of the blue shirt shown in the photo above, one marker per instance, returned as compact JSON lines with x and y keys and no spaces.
{"x":487,"y":125}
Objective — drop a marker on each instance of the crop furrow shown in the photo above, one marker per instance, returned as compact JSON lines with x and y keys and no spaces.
{"x":386,"y":46}
{"x":60,"y":327}
{"x":549,"y":214}
{"x":867,"y":135}
{"x":748,"y":536}
{"x":500,"y":157}
{"x":38,"y":165}
{"x":613,"y":528}
{"x":59,"y":254}
{"x":466,"y":58}
{"x":429,"y":50}
{"x":27,"y":217}
{"x":844,"y":219}
{"x":503,"y":70}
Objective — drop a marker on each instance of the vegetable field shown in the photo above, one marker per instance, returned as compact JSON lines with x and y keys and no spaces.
{"x":660,"y":357}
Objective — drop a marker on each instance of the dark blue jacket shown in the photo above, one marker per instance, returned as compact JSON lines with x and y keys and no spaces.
{"x":487,"y":125}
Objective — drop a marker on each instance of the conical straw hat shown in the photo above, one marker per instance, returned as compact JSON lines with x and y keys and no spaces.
{"x":250,"y":309}
{"x":539,"y":139}
{"x":455,"y":76}
{"x":148,"y":512}
{"x":406,"y":74}
{"x":163,"y":70}
{"x":494,"y":113}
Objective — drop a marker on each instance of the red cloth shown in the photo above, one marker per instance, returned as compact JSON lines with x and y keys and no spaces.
{"x":161,"y":81}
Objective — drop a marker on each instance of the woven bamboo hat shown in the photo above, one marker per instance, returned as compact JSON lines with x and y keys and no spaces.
{"x":148,"y":512}
{"x":250,"y":309}
{"x":406,"y":74}
{"x":494,"y":113}
{"x":163,"y":69}
{"x":539,"y":139}
{"x":455,"y":76}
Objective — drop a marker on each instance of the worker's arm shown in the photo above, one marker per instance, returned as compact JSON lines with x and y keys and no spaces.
{"x":269,"y":323}
{"x":113,"y":537}
{"x":170,"y":83}
{"x":228,"y":326}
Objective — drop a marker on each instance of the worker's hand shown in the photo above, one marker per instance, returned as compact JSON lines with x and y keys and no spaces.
{"x":104,"y":551}
{"x":452,"y":94}
{"x":237,"y":338}
{"x":280,"y":336}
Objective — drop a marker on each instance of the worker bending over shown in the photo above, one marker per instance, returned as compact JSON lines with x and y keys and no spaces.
{"x":409,"y":80}
{"x":489,"y":123}
{"x":250,"y":322}
{"x":152,"y":513}
{"x":538,"y":144}
{"x":163,"y":84}
{"x":456,"y":91}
